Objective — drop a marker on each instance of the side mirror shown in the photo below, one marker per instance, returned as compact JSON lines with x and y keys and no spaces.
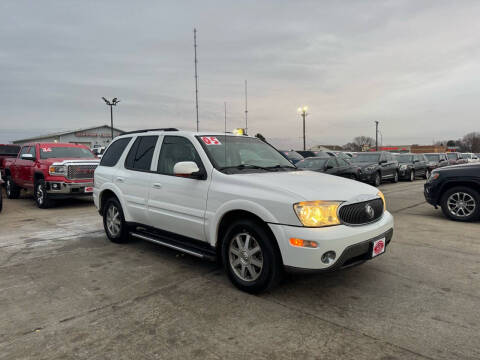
{"x":27,"y":157}
{"x":187,"y":169}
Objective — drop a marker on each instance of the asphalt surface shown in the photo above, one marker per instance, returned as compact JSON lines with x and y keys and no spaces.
{"x":66,"y":292}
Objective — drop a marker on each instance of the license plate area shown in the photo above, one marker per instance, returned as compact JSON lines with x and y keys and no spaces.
{"x":89,"y":189}
{"x":377,"y":247}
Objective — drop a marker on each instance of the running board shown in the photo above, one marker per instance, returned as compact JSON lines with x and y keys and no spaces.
{"x":176,"y":245}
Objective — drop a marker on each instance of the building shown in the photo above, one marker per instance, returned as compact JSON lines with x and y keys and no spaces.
{"x":91,"y":137}
{"x":417,"y":149}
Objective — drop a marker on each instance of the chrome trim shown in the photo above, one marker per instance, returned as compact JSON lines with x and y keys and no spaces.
{"x":175,"y":247}
{"x":357,"y":202}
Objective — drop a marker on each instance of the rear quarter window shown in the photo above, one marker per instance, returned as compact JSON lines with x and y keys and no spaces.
{"x":114,"y":152}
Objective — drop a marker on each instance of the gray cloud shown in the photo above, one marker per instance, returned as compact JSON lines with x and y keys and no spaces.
{"x":411,"y":65}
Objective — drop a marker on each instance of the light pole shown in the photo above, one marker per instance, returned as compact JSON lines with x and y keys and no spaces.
{"x":303,"y":111}
{"x":112,"y":103}
{"x":376,"y":135}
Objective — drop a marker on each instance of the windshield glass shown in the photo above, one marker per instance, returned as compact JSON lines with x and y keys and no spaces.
{"x":404,"y":158}
{"x":241,"y":152}
{"x":9,"y":149}
{"x":365,"y":157}
{"x":293,"y":155}
{"x":59,"y":152}
{"x":312,"y":163}
{"x":452,"y":156}
{"x":432,"y":157}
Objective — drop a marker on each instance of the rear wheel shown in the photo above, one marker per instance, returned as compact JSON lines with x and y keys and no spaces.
{"x":114,"y":221}
{"x":250,"y":258}
{"x":377,"y":179}
{"x":13,"y":191}
{"x":427,"y":174}
{"x":412,"y":175}
{"x":40,"y":194}
{"x":461,"y":203}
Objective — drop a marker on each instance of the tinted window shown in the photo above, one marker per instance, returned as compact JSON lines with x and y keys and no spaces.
{"x":32,"y":151}
{"x":452,"y":156}
{"x":366,"y":157}
{"x":9,"y":149}
{"x":342,"y":162}
{"x":331,"y":162}
{"x":433,"y":157}
{"x":141,"y":153}
{"x":293,"y":155}
{"x":404,"y":158}
{"x":312,"y":163}
{"x":176,"y":149}
{"x":65,"y":152}
{"x":114,"y":152}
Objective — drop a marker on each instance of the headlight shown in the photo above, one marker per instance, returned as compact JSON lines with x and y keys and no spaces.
{"x":380,"y":194}
{"x":403,"y":167}
{"x":57,"y":170}
{"x":433,"y":176}
{"x":317,"y":213}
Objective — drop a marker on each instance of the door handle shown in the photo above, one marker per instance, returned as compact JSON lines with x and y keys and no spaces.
{"x":157,"y":186}
{"x":120,"y":180}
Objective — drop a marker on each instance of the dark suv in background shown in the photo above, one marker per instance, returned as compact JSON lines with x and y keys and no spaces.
{"x":411,"y":166}
{"x":376,"y":166}
{"x":455,"y":158}
{"x":291,"y":155}
{"x":436,"y":160}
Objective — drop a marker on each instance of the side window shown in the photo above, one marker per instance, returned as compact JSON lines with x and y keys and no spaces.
{"x":176,"y":149}
{"x":331,"y":162}
{"x":32,"y":151}
{"x":342,"y":162}
{"x":141,"y":153}
{"x":114,"y":152}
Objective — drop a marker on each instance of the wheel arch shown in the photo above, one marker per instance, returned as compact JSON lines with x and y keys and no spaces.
{"x":449,"y":185}
{"x":107,"y":193}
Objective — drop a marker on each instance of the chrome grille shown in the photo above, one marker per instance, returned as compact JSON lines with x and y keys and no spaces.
{"x":361,"y":213}
{"x":79,"y":172}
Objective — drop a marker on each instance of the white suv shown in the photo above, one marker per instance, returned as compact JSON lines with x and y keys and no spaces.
{"x":238,"y":200}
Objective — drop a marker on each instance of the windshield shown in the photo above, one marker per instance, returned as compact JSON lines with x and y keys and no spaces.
{"x":432,"y":157}
{"x":241,"y":152}
{"x":365,"y":157}
{"x":452,"y":156}
{"x":9,"y":149}
{"x":59,"y":152}
{"x":405,"y":158}
{"x":293,"y":155}
{"x":312,"y":163}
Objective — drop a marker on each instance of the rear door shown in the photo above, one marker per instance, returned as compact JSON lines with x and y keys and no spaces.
{"x":177,"y":204}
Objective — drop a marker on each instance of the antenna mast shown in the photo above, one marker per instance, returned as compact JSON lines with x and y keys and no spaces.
{"x":196,"y":76}
{"x":246,"y":109}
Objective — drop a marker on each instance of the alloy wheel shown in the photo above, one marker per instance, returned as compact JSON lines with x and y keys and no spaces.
{"x":113,"y":222}
{"x":245,"y":257}
{"x":40,"y":194}
{"x":9,"y":187}
{"x":461,"y":204}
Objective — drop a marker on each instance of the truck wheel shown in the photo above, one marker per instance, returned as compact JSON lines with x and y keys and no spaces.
{"x":13,"y":191}
{"x":461,"y":203}
{"x":114,"y":222}
{"x":40,"y":194}
{"x":250,"y":258}
{"x":377,"y":180}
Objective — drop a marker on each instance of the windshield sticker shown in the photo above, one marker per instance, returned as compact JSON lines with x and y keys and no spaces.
{"x":47,"y":149}
{"x":211,"y":140}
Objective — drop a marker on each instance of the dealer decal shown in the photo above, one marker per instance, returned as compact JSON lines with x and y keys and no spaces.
{"x":210,"y":140}
{"x":47,"y":149}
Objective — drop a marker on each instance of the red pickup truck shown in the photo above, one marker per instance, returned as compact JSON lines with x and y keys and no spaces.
{"x":7,"y":151}
{"x":52,"y":171}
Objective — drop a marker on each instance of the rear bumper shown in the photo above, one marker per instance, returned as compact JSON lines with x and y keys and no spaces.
{"x":58,"y":188}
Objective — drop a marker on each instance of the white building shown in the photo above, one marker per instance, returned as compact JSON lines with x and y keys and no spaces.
{"x":91,"y":137}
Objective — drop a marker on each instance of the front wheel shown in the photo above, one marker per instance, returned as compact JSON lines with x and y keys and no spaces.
{"x":427,"y":174}
{"x":12,"y":190}
{"x":40,"y":194}
{"x":377,"y":180}
{"x":395,"y":177}
{"x":412,"y":175}
{"x":461,"y":203}
{"x":251,"y":260}
{"x":114,"y":222}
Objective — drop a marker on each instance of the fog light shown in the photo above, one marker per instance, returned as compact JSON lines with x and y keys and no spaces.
{"x":303,"y":243}
{"x":55,"y":186}
{"x":329,"y":257}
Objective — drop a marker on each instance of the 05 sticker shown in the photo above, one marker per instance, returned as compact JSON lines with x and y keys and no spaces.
{"x":211,"y":140}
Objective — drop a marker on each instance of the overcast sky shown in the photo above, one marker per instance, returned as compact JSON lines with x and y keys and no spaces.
{"x":412,"y":65}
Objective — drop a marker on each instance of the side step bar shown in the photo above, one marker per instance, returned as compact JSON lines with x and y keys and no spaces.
{"x":176,"y":245}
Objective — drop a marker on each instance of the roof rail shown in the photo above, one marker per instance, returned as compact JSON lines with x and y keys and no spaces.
{"x":147,"y":130}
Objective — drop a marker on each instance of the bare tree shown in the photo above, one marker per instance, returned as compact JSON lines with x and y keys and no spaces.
{"x":363,"y":142}
{"x":471,"y":142}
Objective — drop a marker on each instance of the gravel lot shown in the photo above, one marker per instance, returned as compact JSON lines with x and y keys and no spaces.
{"x":67,"y":292}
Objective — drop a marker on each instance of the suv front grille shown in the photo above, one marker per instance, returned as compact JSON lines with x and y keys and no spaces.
{"x":80,"y":172}
{"x":361,"y":213}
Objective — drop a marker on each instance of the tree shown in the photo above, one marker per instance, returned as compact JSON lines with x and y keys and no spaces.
{"x":471,"y":142}
{"x":351,"y":147}
{"x":363,"y":142}
{"x":261,"y":137}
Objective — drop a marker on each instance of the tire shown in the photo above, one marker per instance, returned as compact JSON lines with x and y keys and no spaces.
{"x":249,"y":270}
{"x":12,"y":190}
{"x":469,"y":200}
{"x":412,"y":175}
{"x":114,"y":222}
{"x":427,"y":174}
{"x":395,"y":177}
{"x":40,"y":195}
{"x":378,"y":179}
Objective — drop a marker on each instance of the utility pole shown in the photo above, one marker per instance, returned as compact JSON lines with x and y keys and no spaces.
{"x":376,"y":135}
{"x":225,"y":118}
{"x":196,"y":76}
{"x":246,"y":109}
{"x":112,"y":103}
{"x":303,"y":111}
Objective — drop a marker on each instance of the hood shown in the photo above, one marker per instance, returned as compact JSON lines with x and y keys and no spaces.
{"x":464,"y":166}
{"x":364,"y":164}
{"x":308,"y":185}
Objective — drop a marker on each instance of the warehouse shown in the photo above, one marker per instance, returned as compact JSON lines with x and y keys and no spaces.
{"x":91,"y":137}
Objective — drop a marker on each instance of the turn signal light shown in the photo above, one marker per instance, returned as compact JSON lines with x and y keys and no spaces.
{"x":303,"y":243}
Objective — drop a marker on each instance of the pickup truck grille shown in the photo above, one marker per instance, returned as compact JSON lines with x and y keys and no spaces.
{"x":80,"y":172}
{"x":361,"y":213}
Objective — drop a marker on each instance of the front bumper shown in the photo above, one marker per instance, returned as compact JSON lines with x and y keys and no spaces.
{"x":368,"y":177}
{"x":404,"y":174}
{"x":430,"y":192}
{"x":63,"y":188}
{"x":350,"y":243}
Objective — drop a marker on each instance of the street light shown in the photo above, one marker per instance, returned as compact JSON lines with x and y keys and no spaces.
{"x":302,"y":110}
{"x":112,"y":103}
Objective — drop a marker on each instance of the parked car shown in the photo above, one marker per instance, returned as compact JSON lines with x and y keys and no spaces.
{"x":244,"y":204}
{"x":7,"y":151}
{"x":312,"y":153}
{"x":98,"y":151}
{"x":456,"y":190}
{"x":376,"y":167}
{"x":52,"y":171}
{"x":436,"y":160}
{"x":455,"y":158}
{"x":330,"y":165}
{"x":1,"y":193}
{"x":411,"y":166}
{"x":470,"y":157}
{"x":291,"y":155}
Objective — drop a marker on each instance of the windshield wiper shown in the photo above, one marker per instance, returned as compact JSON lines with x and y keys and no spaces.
{"x":282,"y":167}
{"x":244,"y":166}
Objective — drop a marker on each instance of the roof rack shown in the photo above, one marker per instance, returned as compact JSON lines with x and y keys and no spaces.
{"x":147,"y":130}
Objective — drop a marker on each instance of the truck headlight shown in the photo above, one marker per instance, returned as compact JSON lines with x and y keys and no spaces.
{"x":317,"y":213}
{"x":57,"y":170}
